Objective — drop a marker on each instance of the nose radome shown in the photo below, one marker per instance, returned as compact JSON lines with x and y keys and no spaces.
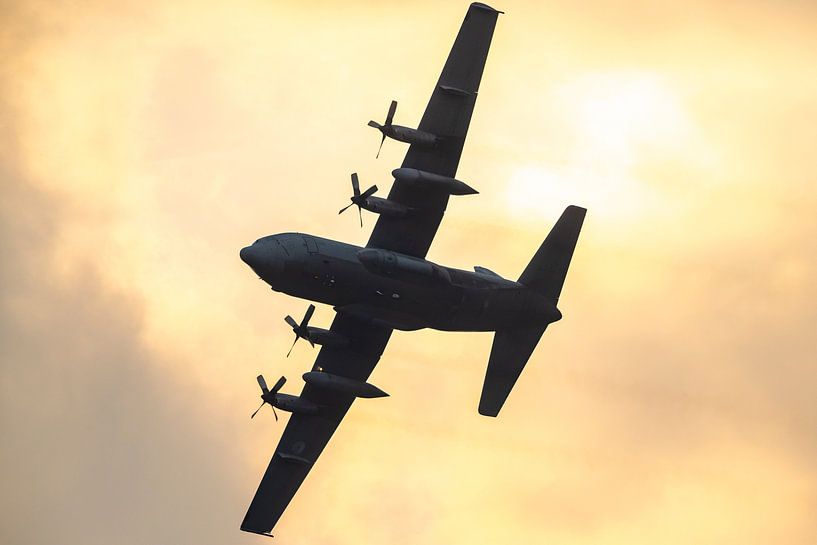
{"x":266,"y":257}
{"x":249,"y":255}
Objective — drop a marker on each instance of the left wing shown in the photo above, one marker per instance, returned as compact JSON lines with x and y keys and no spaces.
{"x":306,"y":435}
{"x":447,"y":116}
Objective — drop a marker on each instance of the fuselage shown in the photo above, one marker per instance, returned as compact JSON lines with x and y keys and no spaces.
{"x":399,"y":291}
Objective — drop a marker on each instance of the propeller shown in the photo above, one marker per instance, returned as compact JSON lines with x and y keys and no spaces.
{"x":267,"y":395}
{"x":382,"y":128}
{"x":357,"y":198}
{"x":301,"y":330}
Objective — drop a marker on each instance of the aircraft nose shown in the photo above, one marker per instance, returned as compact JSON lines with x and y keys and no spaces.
{"x":250,"y":255}
{"x":265,"y":257}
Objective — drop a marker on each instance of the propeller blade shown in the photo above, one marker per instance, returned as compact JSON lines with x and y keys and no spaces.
{"x":355,"y":184}
{"x":274,"y":413}
{"x":360,"y":214}
{"x":291,"y":321}
{"x":381,"y":146}
{"x":374,"y":124}
{"x":262,"y":383}
{"x":293,"y":344}
{"x":342,"y":210}
{"x":369,"y":192}
{"x":392,"y":109}
{"x":308,"y":316}
{"x":258,"y":409}
{"x":279,"y":384}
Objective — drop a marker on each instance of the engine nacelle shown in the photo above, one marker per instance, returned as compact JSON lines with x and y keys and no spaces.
{"x":451,"y":186}
{"x":295,"y":404}
{"x":412,"y":136}
{"x":386,"y":207}
{"x":388,"y":263}
{"x":327,"y":337}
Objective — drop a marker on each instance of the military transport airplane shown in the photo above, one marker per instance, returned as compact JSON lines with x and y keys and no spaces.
{"x":389,"y":285}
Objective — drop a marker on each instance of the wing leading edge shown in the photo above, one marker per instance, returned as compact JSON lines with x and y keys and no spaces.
{"x":447,"y":116}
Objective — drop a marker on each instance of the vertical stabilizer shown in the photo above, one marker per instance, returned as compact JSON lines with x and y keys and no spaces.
{"x":547,"y":270}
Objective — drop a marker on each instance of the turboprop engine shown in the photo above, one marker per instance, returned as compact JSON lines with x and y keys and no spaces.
{"x":285,"y":402}
{"x":367,"y":201}
{"x":401,"y":133}
{"x":314,"y":335}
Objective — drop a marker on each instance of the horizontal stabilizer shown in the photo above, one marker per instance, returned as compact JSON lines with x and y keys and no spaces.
{"x":509,"y":354}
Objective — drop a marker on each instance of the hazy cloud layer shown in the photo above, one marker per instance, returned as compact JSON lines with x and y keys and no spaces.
{"x":144,"y":144}
{"x":99,"y":444}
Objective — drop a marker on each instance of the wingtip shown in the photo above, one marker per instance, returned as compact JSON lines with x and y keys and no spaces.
{"x":486,"y":411}
{"x":258,"y":532}
{"x":574,"y":209}
{"x":486,"y":7}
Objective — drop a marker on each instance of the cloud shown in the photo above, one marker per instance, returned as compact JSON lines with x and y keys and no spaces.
{"x":144,"y":145}
{"x":100,"y":443}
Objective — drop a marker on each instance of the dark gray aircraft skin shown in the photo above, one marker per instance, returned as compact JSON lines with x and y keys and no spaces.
{"x":390,"y":285}
{"x":398,"y":291}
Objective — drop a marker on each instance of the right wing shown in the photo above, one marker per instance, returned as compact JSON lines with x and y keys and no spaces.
{"x":306,"y":435}
{"x":447,"y":115}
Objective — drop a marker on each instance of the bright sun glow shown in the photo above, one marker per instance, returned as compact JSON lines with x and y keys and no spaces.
{"x":615,"y":122}
{"x":619,"y":116}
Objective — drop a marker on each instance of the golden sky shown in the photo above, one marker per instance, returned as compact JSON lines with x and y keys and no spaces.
{"x":144,"y":143}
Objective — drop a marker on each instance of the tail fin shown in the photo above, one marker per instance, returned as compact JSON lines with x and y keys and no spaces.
{"x":546,"y":274}
{"x":547,"y":270}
